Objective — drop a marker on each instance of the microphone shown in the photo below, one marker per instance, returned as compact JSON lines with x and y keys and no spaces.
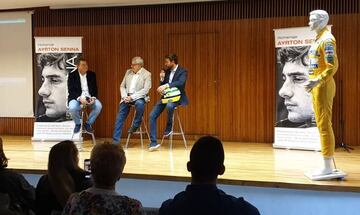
{"x":162,"y":75}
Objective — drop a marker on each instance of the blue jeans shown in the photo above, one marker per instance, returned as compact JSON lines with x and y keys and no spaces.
{"x":124,"y":109}
{"x":155,"y":113}
{"x":75,"y":108}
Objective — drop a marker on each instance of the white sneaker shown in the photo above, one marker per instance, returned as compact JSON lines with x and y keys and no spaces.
{"x":154,"y":148}
{"x":326,"y":169}
{"x":166,"y":134}
{"x":321,"y":172}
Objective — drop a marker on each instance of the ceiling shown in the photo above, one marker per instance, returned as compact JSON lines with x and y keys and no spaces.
{"x":57,"y":4}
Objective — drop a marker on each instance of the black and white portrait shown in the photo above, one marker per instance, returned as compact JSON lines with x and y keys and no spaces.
{"x":294,"y":103}
{"x":52,"y":72}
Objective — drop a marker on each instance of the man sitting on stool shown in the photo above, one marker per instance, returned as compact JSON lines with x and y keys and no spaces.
{"x":134,"y":89}
{"x":83,"y":92}
{"x":174,"y":76}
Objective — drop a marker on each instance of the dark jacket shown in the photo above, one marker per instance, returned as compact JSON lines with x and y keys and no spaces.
{"x":206,"y":199}
{"x":21,"y":193}
{"x":179,"y":81}
{"x":45,"y":198}
{"x":74,"y":85}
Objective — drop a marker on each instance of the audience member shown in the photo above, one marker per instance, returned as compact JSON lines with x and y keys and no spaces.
{"x":107,"y":164}
{"x":63,"y":178}
{"x":17,"y":195}
{"x":202,"y":196}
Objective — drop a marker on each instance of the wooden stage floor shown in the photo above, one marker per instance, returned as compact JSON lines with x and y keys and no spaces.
{"x":250,"y":164}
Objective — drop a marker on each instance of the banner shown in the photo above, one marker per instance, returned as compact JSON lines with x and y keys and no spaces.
{"x":295,"y":126}
{"x":55,"y":58}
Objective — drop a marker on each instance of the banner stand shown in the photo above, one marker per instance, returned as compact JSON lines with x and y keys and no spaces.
{"x":56,"y":59}
{"x":295,"y":126}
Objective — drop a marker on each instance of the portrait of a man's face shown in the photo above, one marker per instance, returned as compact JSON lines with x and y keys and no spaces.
{"x":52,"y":91}
{"x":296,"y":103}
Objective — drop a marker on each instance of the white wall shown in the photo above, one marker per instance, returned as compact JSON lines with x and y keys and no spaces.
{"x":16,"y":76}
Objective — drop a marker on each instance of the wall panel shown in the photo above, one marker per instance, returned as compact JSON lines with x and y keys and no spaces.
{"x":245,"y":68}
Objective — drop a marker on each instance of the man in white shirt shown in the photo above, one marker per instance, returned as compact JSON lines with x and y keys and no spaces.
{"x":83,"y":91}
{"x":133,"y":89}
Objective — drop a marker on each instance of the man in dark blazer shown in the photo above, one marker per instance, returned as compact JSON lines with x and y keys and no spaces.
{"x":83,"y":91}
{"x":173,"y":76}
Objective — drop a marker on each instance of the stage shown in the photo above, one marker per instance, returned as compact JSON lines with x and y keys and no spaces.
{"x":247,"y":164}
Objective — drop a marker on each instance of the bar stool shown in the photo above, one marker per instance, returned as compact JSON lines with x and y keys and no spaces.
{"x":83,"y":112}
{"x":140,"y":130}
{"x":172,"y":133}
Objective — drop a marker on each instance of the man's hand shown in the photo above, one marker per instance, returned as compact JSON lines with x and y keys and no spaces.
{"x":162,"y":88}
{"x":92,"y":101}
{"x":128,"y":99}
{"x":310,"y":84}
{"x":162,"y":75}
{"x":83,"y":101}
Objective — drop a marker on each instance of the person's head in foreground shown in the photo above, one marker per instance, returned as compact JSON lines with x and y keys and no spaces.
{"x":3,"y":158}
{"x":202,"y":196}
{"x":107,"y":164}
{"x":206,"y":160}
{"x":16,"y":194}
{"x":63,"y":160}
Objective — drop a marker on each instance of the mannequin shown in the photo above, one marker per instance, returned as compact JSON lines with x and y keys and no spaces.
{"x":322,"y":67}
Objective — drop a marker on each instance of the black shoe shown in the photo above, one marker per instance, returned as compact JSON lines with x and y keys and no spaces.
{"x":132,"y":129}
{"x":88,"y":128}
{"x":77,"y":128}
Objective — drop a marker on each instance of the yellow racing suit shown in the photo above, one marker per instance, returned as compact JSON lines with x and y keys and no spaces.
{"x":323,"y":64}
